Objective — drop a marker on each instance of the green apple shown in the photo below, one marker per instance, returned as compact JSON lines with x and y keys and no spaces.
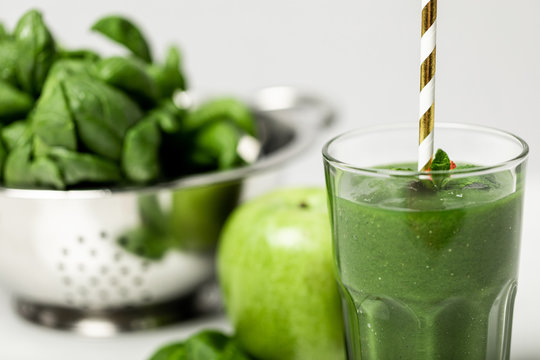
{"x":276,"y":272}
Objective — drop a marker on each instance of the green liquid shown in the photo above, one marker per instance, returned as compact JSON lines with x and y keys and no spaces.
{"x":428,"y":274}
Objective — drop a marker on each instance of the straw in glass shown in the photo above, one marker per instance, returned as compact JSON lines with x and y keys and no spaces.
{"x":427,"y":83}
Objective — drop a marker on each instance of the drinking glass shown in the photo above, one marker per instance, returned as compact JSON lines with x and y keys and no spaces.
{"x":427,"y":262}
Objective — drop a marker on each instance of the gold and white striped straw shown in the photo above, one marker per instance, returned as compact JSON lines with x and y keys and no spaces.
{"x":427,"y":83}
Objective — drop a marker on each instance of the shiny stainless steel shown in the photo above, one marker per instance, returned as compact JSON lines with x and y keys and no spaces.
{"x":63,"y":253}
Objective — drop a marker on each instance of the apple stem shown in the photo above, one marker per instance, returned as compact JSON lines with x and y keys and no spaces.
{"x":303,"y":205}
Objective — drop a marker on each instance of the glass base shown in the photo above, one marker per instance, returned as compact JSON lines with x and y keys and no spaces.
{"x":382,"y":328}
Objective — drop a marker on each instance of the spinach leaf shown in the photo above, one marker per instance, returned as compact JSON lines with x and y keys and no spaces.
{"x":81,"y":167}
{"x":176,"y":351}
{"x":21,"y":171}
{"x":146,"y":242}
{"x":221,"y":109}
{"x":15,"y":134}
{"x":140,"y":156}
{"x":168,"y":122}
{"x":233,"y":352}
{"x":17,"y":168}
{"x":37,"y":51}
{"x":102,"y":114}
{"x":41,"y":148}
{"x":152,"y":214}
{"x":168,"y":116}
{"x":51,"y":120}
{"x":13,"y":102}
{"x":216,"y":145}
{"x":168,"y":77}
{"x":128,"y":74}
{"x":124,"y":32}
{"x":9,"y":55}
{"x":151,"y":240}
{"x":206,"y":345}
{"x":45,"y":173}
{"x":65,"y":68}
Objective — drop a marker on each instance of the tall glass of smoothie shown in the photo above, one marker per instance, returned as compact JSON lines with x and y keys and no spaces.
{"x":427,"y":263}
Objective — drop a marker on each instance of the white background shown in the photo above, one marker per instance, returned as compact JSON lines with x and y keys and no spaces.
{"x":364,"y":57}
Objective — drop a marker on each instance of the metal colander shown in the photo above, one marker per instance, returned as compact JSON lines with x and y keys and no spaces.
{"x":108,"y":260}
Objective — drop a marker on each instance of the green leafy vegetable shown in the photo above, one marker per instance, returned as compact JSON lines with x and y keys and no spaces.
{"x":218,"y":143}
{"x":71,"y":118}
{"x":79,"y":167}
{"x":128,"y":74}
{"x":9,"y":54}
{"x":140,"y":156}
{"x":218,"y":125}
{"x":21,"y":171}
{"x":46,"y":173}
{"x":151,"y":213}
{"x":36,"y":49}
{"x":216,"y":110}
{"x":52,"y":121}
{"x":16,"y":133}
{"x":441,"y":161}
{"x":206,"y":345}
{"x":146,"y":242}
{"x":152,"y":239}
{"x":124,"y":32}
{"x":168,"y":77}
{"x":102,"y":114}
{"x":17,"y":168}
{"x":168,"y":116}
{"x":13,"y":102}
{"x":66,"y":68}
{"x":176,"y":351}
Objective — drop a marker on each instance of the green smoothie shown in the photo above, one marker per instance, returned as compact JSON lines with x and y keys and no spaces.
{"x":428,"y":273}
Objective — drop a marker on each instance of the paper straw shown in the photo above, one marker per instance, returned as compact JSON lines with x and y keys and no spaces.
{"x":427,"y":83}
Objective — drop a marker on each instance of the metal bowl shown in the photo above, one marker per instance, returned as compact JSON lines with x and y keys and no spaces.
{"x":102,"y":261}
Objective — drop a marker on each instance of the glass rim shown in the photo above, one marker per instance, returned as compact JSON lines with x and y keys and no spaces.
{"x":511,"y":162}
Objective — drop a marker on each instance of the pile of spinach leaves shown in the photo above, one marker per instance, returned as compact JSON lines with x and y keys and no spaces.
{"x":74,"y":119}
